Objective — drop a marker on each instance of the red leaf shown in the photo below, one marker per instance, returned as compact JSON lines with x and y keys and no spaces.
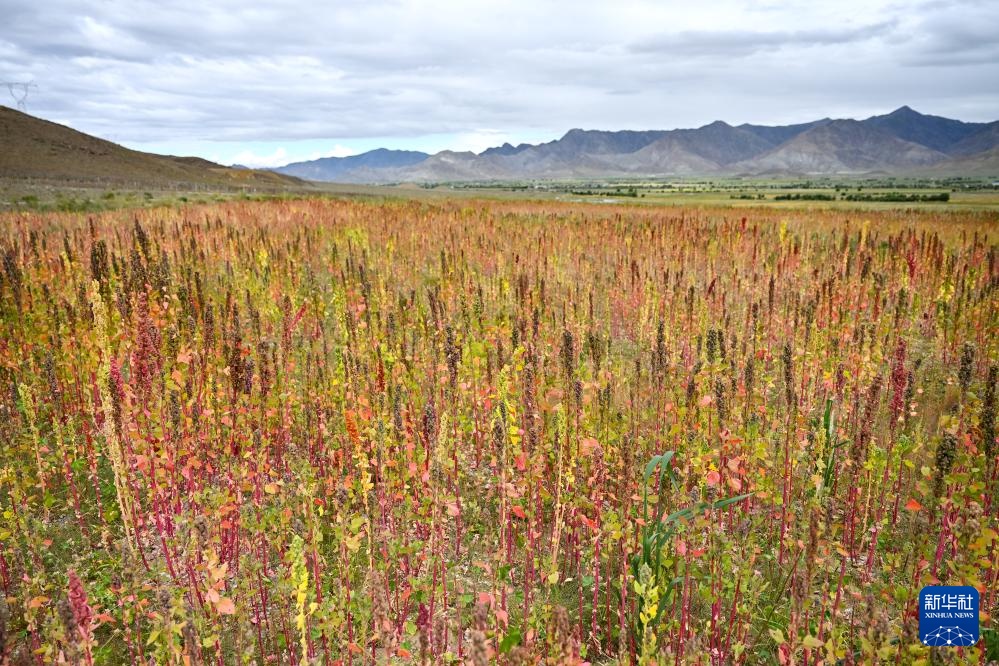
{"x":519,"y":512}
{"x":225,"y":606}
{"x":913,"y":505}
{"x":588,"y":445}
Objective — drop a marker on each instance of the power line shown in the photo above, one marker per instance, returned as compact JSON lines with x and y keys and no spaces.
{"x":19,"y":91}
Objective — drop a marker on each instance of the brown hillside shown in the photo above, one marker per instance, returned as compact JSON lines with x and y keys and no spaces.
{"x":34,"y":148}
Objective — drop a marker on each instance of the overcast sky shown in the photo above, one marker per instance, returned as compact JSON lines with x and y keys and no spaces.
{"x":271,"y":82}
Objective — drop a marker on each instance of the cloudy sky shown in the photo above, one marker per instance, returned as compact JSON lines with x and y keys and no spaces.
{"x":266,"y":83}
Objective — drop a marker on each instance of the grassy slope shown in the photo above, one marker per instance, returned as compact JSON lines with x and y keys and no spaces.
{"x":35,"y":148}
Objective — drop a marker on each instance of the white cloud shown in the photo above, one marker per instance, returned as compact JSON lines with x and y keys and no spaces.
{"x":336,"y":151}
{"x":248,"y":158}
{"x":478,"y":140}
{"x":347,"y":71}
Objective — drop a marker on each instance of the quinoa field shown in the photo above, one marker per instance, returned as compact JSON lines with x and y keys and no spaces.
{"x":467,"y":432}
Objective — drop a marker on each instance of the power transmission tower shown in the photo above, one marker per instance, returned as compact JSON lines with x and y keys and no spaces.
{"x":19,"y":91}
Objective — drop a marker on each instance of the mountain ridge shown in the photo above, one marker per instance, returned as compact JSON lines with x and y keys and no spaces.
{"x":898,"y":142}
{"x":328,"y":168}
{"x":842,"y":147}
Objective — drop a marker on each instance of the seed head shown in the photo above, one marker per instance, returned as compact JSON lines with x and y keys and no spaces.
{"x":967,"y":363}
{"x":82,"y":612}
{"x":568,"y":353}
{"x":946,"y":451}
{"x":788,"y":375}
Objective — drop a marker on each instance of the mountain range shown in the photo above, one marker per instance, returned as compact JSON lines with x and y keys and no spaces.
{"x":901,"y":142}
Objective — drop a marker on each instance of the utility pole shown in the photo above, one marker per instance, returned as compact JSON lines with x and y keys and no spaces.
{"x":19,"y":91}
